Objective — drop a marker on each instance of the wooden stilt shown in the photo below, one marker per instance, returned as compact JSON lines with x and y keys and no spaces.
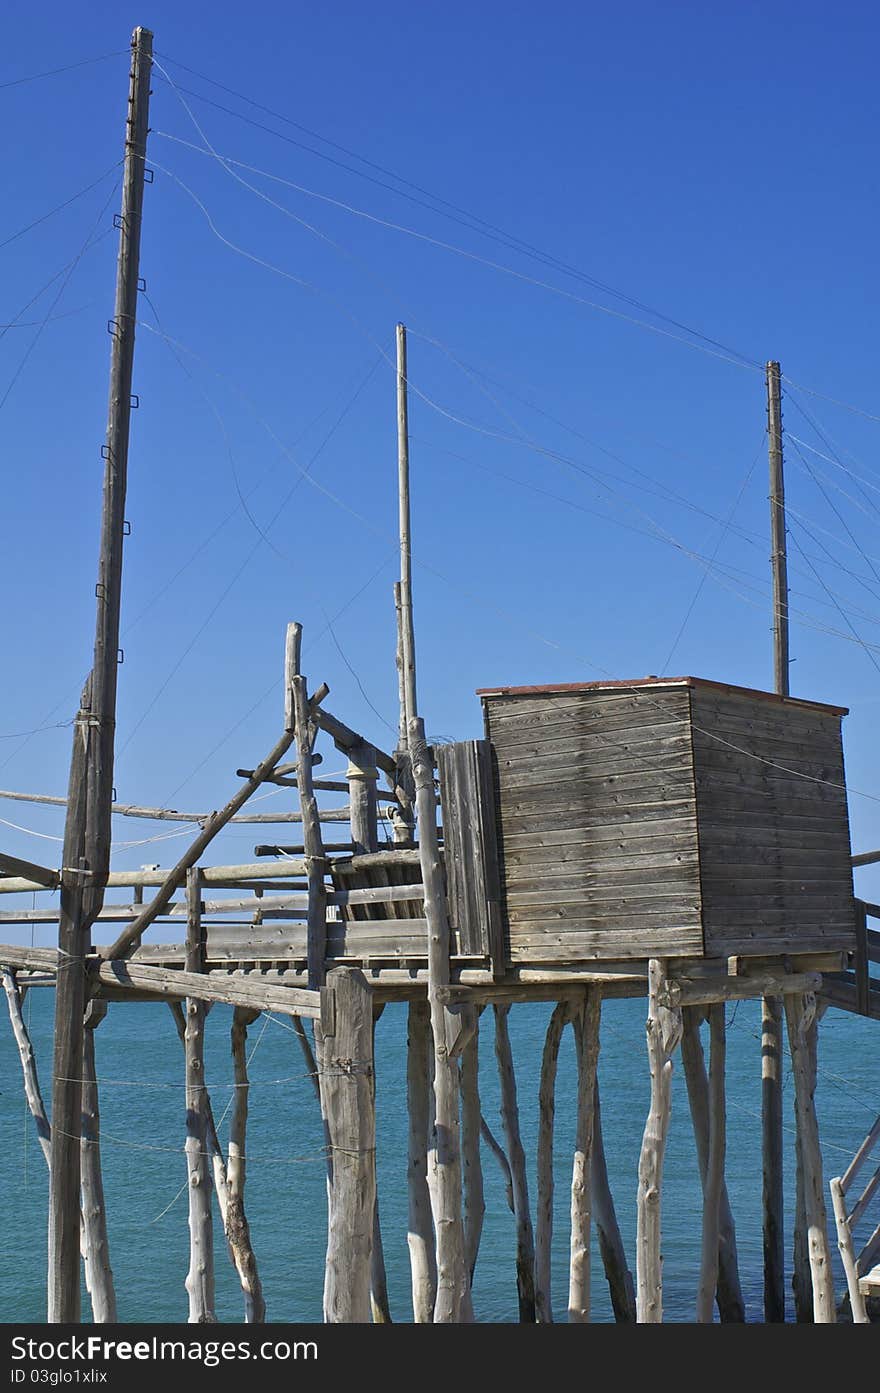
{"x":347,"y":1093}
{"x":200,"y":1278}
{"x":714,"y":1177}
{"x":801,"y":1022}
{"x":731,"y":1305}
{"x":446,"y":1026}
{"x":26,"y":1054}
{"x":237,"y":1229}
{"x":586,"y":1034}
{"x":420,"y":1236}
{"x":379,"y":1303}
{"x":471,"y":1166}
{"x":95,"y":1244}
{"x":771,"y":1144}
{"x":664,"y":1028}
{"x":546,"y":1116}
{"x":525,"y":1243}
{"x":500,"y":1155}
{"x":617,"y":1273}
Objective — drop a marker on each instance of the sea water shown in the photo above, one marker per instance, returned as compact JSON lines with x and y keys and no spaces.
{"x":140,"y":1071}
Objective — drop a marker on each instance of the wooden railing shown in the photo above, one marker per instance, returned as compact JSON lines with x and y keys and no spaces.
{"x":857,"y":1266}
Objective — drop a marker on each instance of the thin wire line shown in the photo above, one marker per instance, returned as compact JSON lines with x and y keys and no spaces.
{"x":55,"y":72}
{"x":60,"y":206}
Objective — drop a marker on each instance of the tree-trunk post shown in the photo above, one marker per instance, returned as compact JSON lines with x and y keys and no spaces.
{"x":731,"y":1305}
{"x":525,"y":1242}
{"x":472,"y":1170}
{"x":452,"y":1275}
{"x":200,"y":1278}
{"x":238,"y":1234}
{"x":713,"y":1183}
{"x":546,"y":1118}
{"x":420,"y":1234}
{"x":347,"y":1093}
{"x":586,"y":1034}
{"x":95,"y":1244}
{"x":771,"y":1150}
{"x":664,"y":1032}
{"x":617,"y":1273}
{"x":800,"y":1015}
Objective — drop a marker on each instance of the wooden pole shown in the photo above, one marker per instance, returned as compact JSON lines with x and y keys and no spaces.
{"x":86,"y":861}
{"x":586,"y":1034}
{"x":238,"y":1234}
{"x":472,"y":1170}
{"x":714,"y":1178}
{"x":95,"y":1243}
{"x":362,"y":775}
{"x":316,"y":863}
{"x":546,"y":1117}
{"x":200,"y":1278}
{"x":664,"y":1032}
{"x":70,"y":1004}
{"x":28,"y":1064}
{"x":801,"y":1022}
{"x":379,"y":1302}
{"x":406,"y":625}
{"x":525,"y":1243}
{"x":420,"y":1234}
{"x":772,"y":1182}
{"x":771,"y":1010}
{"x":446,"y":1025}
{"x":731,"y":1306}
{"x":347,"y":1094}
{"x":617,"y":1273}
{"x":778,"y":556}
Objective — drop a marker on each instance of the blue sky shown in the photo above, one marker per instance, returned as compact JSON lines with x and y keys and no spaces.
{"x":572,"y":469}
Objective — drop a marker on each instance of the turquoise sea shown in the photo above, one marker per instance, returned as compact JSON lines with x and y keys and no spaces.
{"x":140,"y":1067}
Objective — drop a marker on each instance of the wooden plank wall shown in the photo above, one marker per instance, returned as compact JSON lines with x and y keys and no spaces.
{"x":596,"y":816}
{"x":774,"y":845}
{"x":470,"y":852}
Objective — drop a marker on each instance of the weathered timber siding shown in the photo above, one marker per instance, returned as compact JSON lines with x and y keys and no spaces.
{"x":470,"y":853}
{"x":596,"y":815}
{"x":773,"y":826}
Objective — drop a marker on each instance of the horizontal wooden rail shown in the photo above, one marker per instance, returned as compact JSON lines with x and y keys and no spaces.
{"x":175,"y":983}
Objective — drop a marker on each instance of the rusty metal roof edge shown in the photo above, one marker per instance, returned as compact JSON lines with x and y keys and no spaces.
{"x":636,"y":684}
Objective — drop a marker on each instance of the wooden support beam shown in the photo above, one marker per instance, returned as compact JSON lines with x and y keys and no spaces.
{"x":26,"y":1055}
{"x":586,"y":1034}
{"x":70,"y":1003}
{"x":347,"y":739}
{"x":705,"y":991}
{"x":362,"y":777}
{"x":238,"y":1234}
{"x":420,"y":1232}
{"x":471,"y":1166}
{"x":731,"y":1306}
{"x":617,"y":1273}
{"x":772,"y":1194}
{"x":452,"y":1274}
{"x":95,"y":1242}
{"x":347,"y":1093}
{"x":664,"y":1027}
{"x":174,"y":879}
{"x":546,"y":1117}
{"x":316,"y":861}
{"x":801,"y":1022}
{"x":200,"y":1278}
{"x":13,"y":865}
{"x":525,"y":1243}
{"x":713,"y":1182}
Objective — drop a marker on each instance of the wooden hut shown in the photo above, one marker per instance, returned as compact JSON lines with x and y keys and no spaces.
{"x":672,"y":817}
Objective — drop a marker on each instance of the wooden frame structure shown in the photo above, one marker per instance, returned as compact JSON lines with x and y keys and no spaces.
{"x":328,"y":932}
